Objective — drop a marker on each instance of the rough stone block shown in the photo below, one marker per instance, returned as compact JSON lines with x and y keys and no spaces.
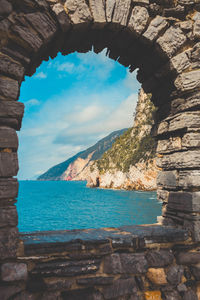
{"x":27,"y":296}
{"x":8,"y":243}
{"x":26,"y":38}
{"x":189,"y":179}
{"x":88,"y":293}
{"x":171,"y":41}
{"x":189,"y":295}
{"x":66,"y":268}
{"x":133,"y":263}
{"x":138,"y":20}
{"x":167,"y":179}
{"x":9,"y":88}
{"x":11,"y":114}
{"x":188,"y":81}
{"x":188,"y":258}
{"x":98,"y":11}
{"x":43,"y":24}
{"x":8,"y":291}
{"x":119,"y":288}
{"x":181,"y":121}
{"x":110,"y":5}
{"x":184,"y":201}
{"x":10,"y":67}
{"x":14,"y":271}
{"x":92,"y":281}
{"x":5,"y":8}
{"x":157,"y":25}
{"x":125,"y":263}
{"x":180,"y":62}
{"x":8,"y":138}
{"x":174,"y":274}
{"x":191,"y":140}
{"x":8,"y":216}
{"x":180,"y":160}
{"x":8,"y":188}
{"x":159,"y":258}
{"x":62,"y":17}
{"x":169,"y":145}
{"x":157,"y":276}
{"x":121,"y":12}
{"x":78,"y":11}
{"x":57,"y":284}
{"x":8,"y":164}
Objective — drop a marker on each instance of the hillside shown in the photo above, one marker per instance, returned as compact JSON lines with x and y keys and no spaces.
{"x":130,"y":162}
{"x":66,"y":171}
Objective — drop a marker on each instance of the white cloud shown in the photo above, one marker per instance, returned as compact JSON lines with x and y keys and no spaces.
{"x":66,"y":67}
{"x":41,"y":75}
{"x":86,"y":114}
{"x":32,"y":102}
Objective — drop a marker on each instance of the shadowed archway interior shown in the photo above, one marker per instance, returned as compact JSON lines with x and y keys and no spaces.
{"x":160,"y":38}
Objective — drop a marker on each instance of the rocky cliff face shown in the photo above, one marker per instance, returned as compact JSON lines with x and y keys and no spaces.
{"x":77,"y":167}
{"x":130,"y":163}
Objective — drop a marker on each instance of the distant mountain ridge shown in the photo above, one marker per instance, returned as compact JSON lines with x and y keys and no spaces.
{"x":91,"y":154}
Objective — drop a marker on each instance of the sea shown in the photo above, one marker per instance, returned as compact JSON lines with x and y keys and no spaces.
{"x":60,"y":205}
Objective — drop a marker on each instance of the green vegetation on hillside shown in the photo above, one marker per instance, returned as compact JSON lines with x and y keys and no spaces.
{"x":134,"y":145}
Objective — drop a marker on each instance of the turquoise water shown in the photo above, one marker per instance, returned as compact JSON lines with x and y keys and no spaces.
{"x":57,"y":205}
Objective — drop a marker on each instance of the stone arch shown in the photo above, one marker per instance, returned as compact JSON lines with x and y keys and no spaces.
{"x":160,"y":38}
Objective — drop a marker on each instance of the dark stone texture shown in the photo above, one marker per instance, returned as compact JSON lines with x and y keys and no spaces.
{"x":58,"y":284}
{"x":31,"y":40}
{"x":43,"y":24}
{"x":8,"y":291}
{"x":5,"y":8}
{"x":172,"y":295}
{"x":190,"y":295}
{"x":134,"y":263}
{"x":119,"y":288}
{"x":195,"y":270}
{"x":8,"y":138}
{"x":66,"y":268}
{"x":174,"y":274}
{"x":125,"y":263}
{"x":11,"y":114}
{"x":8,"y":243}
{"x":9,"y":88}
{"x":44,"y":241}
{"x":159,"y":258}
{"x":8,"y":164}
{"x":8,"y":188}
{"x":92,"y":281}
{"x":10,"y":67}
{"x":25,"y":296}
{"x":184,"y":201}
{"x":188,"y":258}
{"x":89,"y":294}
{"x":8,"y":216}
{"x":14,"y":271}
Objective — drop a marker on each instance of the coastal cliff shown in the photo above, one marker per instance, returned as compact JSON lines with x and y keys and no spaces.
{"x":75,"y":168}
{"x":130,"y":162}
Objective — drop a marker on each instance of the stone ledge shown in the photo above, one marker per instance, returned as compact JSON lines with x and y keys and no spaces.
{"x":136,"y":236}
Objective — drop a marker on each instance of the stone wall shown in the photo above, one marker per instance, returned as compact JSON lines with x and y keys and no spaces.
{"x":129,"y":263}
{"x":160,"y":38}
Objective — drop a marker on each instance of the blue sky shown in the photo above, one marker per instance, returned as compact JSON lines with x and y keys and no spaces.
{"x":70,"y":103}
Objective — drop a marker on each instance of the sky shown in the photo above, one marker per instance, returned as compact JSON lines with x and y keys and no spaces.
{"x":71,"y":102}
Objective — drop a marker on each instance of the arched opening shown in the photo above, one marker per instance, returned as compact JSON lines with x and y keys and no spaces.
{"x":161,"y":39}
{"x":138,"y":35}
{"x":86,"y":102}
